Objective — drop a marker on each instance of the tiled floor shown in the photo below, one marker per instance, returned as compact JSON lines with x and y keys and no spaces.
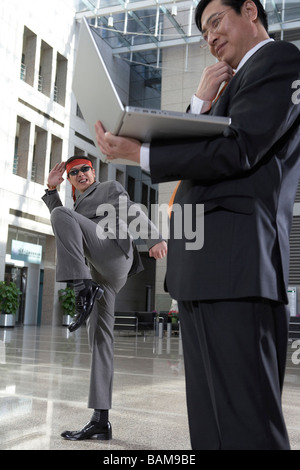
{"x":44,"y":375}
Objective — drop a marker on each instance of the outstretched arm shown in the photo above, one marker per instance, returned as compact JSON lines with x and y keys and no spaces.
{"x":55,"y":176}
{"x":51,"y":198}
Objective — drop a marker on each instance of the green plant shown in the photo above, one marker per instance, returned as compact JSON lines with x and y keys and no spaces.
{"x":9,"y":297}
{"x":173,"y":314}
{"x":67,"y":300}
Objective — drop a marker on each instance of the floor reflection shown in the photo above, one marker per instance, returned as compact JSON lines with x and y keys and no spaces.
{"x":44,"y":384}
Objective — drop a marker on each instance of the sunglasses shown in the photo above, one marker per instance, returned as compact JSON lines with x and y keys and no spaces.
{"x":83,"y":169}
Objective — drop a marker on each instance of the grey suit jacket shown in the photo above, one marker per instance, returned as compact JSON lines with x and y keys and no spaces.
{"x":93,"y":205}
{"x":247,"y":180}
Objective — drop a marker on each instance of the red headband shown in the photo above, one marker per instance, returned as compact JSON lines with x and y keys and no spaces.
{"x":75,"y":162}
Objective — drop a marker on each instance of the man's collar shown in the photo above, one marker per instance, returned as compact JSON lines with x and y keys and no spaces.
{"x":86,"y":193}
{"x":251,"y":52}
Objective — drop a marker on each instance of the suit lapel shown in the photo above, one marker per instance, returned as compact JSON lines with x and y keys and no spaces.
{"x":86,"y":193}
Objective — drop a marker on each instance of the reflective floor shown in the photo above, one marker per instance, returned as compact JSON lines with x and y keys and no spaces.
{"x":44,"y":376}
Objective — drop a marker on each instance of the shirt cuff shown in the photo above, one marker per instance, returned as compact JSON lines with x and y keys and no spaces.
{"x":199,"y":106}
{"x":145,"y":157}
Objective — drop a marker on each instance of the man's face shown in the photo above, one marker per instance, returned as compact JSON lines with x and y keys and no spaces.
{"x":83,"y":179}
{"x":229,"y":35}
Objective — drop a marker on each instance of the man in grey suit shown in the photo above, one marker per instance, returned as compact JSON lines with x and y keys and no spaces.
{"x":232,"y":293}
{"x":96,"y":251}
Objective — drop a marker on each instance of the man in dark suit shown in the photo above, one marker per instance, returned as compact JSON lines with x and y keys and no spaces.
{"x":96,"y":251}
{"x":232,"y":294}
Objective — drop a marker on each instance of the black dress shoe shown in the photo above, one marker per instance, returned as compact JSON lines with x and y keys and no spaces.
{"x":84,"y":305}
{"x":92,"y":430}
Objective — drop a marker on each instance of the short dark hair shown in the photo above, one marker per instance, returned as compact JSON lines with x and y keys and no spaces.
{"x":236,"y":5}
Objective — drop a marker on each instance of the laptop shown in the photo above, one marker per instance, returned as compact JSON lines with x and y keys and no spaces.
{"x":98,"y":99}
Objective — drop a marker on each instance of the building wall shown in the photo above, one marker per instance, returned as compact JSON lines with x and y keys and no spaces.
{"x":27,"y":30}
{"x":38,"y":41}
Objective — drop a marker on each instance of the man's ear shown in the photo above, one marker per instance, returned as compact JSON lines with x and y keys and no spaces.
{"x":250,"y":10}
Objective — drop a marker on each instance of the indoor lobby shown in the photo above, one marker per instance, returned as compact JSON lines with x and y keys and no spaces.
{"x":44,"y":380}
{"x":155,"y":55}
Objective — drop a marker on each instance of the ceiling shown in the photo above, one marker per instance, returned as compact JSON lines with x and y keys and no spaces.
{"x":138,"y":30}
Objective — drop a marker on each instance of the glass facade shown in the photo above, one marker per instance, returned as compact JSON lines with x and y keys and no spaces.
{"x":159,"y":21}
{"x":138,"y":31}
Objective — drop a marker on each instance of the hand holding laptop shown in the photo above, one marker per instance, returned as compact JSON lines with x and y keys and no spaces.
{"x":115,"y":147}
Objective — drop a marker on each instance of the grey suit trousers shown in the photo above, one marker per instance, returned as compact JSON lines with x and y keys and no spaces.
{"x":81,"y":254}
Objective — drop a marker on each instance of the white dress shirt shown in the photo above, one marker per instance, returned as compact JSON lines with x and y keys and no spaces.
{"x":198,"y":106}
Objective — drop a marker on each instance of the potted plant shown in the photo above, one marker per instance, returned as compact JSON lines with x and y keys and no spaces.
{"x":9,"y":303}
{"x":67,"y":301}
{"x":173,"y":314}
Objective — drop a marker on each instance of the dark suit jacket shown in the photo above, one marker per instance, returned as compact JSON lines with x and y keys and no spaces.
{"x":247,"y":180}
{"x":110,"y":192}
